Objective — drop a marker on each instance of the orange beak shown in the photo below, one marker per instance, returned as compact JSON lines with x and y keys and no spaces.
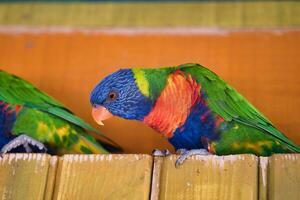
{"x":100,"y":113}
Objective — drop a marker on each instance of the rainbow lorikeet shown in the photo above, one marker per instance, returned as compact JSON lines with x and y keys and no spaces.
{"x":193,"y":107}
{"x":30,"y":120}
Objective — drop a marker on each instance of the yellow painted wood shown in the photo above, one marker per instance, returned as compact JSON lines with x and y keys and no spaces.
{"x":23,"y":176}
{"x":53,"y":162}
{"x":263,"y":178}
{"x":103,"y":177}
{"x":156,"y":175}
{"x":150,"y":14}
{"x":210,"y":177}
{"x":284,"y":177}
{"x":128,"y":176}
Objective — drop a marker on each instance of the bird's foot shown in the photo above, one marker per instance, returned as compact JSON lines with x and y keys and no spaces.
{"x":163,"y":153}
{"x":181,"y":151}
{"x":184,"y":154}
{"x":25,"y":141}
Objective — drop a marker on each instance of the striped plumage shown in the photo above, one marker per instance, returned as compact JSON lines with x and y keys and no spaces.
{"x":193,"y":108}
{"x":26,"y":110}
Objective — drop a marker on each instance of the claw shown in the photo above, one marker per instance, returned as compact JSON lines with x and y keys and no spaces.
{"x":187,"y":153}
{"x":181,"y":151}
{"x":22,"y":140}
{"x":27,"y":148}
{"x":163,"y":153}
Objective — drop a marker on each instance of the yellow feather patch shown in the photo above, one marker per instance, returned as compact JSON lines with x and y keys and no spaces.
{"x":42,"y":127}
{"x":63,"y":131}
{"x":257,"y":147}
{"x":44,"y":131}
{"x":141,"y":81}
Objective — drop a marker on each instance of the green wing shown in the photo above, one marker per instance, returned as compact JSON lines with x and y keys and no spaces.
{"x":15,"y":90}
{"x":228,"y":103}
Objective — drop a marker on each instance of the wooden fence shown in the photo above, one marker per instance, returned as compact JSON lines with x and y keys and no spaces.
{"x":139,"y":176}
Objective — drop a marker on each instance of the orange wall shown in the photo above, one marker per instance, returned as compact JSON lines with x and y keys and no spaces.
{"x":263,"y":66}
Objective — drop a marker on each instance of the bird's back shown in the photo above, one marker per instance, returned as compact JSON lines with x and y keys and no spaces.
{"x":27,"y":110}
{"x":248,"y":130}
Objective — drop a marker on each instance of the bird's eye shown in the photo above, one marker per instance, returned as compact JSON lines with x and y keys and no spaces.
{"x":112,"y":96}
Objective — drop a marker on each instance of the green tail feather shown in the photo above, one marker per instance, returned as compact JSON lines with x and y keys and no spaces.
{"x":232,"y":106}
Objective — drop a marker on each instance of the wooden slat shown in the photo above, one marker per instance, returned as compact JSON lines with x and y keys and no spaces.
{"x":51,"y":177}
{"x":23,"y":176}
{"x":103,"y":177}
{"x":229,"y":14}
{"x":32,"y":176}
{"x":210,"y":177}
{"x":263,"y":178}
{"x":155,"y":185}
{"x":284,"y":177}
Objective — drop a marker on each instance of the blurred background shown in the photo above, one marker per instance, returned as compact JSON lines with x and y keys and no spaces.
{"x":66,"y":47}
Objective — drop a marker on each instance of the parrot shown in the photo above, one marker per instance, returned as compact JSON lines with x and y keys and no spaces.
{"x":192,"y":107}
{"x":32,"y":121}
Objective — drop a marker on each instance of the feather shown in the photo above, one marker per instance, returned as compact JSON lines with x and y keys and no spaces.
{"x":20,"y":93}
{"x":228,"y":103}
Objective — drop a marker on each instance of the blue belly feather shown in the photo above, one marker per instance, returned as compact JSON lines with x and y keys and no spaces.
{"x":199,"y":125}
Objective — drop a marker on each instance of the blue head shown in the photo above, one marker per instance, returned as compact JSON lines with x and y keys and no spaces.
{"x":119,"y":95}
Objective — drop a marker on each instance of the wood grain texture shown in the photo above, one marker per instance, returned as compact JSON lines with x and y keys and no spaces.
{"x":23,"y":176}
{"x":210,"y":177}
{"x":156,"y":175}
{"x":261,"y":65}
{"x":263,"y":178}
{"x":104,"y":177}
{"x":53,"y":163}
{"x":230,"y":14}
{"x":128,"y":176}
{"x":284,"y":177}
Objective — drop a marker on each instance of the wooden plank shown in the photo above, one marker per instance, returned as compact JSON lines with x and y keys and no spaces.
{"x":150,"y":14}
{"x":284,"y":177}
{"x":263,"y":178}
{"x":23,"y":176}
{"x":155,"y":185}
{"x":51,"y":177}
{"x":103,"y":177}
{"x":210,"y":177}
